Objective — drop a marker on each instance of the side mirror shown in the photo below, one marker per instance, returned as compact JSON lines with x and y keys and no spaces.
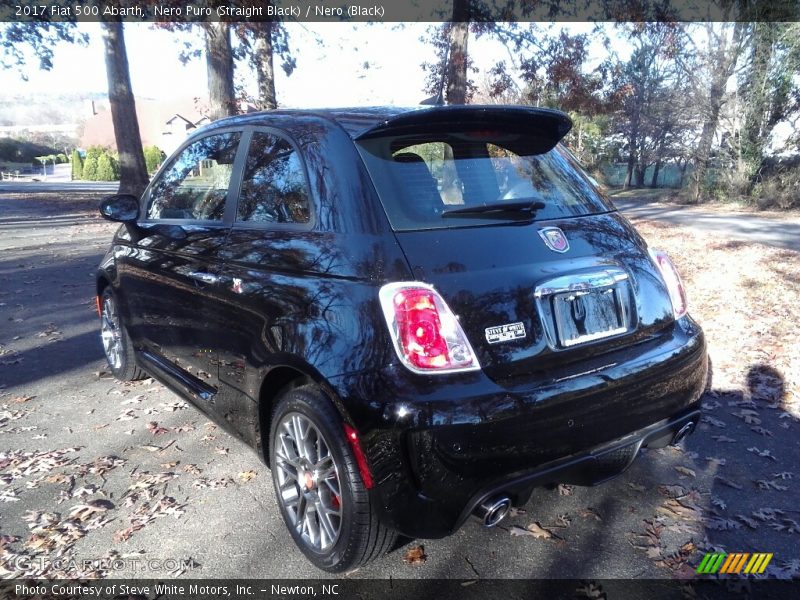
{"x":123,"y":208}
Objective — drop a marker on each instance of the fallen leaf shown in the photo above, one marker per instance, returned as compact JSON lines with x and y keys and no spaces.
{"x":728,"y":482}
{"x":563,"y":520}
{"x":589,"y":512}
{"x":246,"y":476}
{"x":762,"y":453}
{"x":685,"y":471}
{"x":415,"y":556}
{"x":767,"y":514}
{"x":762,"y":431}
{"x":154,"y":428}
{"x":682,"y":510}
{"x":748,"y":416}
{"x":721,"y":524}
{"x":765,"y":484}
{"x":747,"y":521}
{"x":718,"y":502}
{"x":713,"y":421}
{"x":672,"y":491}
{"x":534,"y":530}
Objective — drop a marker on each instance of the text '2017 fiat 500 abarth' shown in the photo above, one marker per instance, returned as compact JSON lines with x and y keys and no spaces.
{"x":412,"y":315}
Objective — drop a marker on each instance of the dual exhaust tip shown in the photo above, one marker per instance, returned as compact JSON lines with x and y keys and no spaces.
{"x":490,"y":512}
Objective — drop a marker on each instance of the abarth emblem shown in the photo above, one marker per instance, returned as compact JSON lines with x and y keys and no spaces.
{"x":554,"y":238}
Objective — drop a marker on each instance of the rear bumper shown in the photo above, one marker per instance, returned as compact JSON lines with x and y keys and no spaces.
{"x":437,"y":447}
{"x":591,"y":468}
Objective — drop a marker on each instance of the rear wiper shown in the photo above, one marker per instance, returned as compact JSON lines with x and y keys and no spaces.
{"x":520,"y":208}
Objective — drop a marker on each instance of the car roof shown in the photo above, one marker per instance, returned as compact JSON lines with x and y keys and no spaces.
{"x":359,"y":120}
{"x":353,"y":120}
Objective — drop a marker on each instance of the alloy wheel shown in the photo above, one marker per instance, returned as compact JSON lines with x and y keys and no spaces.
{"x":111,"y":333}
{"x":307,"y":479}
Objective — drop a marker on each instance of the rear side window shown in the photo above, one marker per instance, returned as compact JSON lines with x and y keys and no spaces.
{"x":274,"y":188}
{"x":196,"y":184}
{"x":418,"y":177}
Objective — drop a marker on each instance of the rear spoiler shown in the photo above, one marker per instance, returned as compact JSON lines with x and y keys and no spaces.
{"x":544,"y":125}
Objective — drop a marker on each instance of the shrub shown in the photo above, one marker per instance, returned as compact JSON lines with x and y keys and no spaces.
{"x":105,"y":168}
{"x":77,"y":165}
{"x":152,"y":158}
{"x":90,"y":168}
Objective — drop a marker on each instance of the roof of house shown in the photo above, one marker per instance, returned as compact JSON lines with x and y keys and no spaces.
{"x":153,"y":117}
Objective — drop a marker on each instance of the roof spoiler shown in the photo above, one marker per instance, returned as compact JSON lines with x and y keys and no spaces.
{"x":544,"y":125}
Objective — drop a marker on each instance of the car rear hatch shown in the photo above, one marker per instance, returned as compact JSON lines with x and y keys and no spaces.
{"x":540,"y":269}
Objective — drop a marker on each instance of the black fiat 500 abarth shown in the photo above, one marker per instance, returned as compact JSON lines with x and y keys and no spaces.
{"x":413,"y":315}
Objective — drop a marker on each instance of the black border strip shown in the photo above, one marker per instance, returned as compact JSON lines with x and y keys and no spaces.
{"x":396,"y":11}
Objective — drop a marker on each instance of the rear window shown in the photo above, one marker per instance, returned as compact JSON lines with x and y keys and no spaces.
{"x":419,"y":177}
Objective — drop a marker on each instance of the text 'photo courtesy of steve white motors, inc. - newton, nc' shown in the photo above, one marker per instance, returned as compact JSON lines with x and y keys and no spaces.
{"x":195,"y":12}
{"x":98,"y":589}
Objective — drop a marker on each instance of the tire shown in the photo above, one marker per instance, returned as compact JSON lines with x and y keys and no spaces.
{"x":117,"y":345}
{"x":361,"y":537}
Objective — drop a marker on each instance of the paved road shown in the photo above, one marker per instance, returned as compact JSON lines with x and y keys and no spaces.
{"x":180,"y":489}
{"x":739,"y":226}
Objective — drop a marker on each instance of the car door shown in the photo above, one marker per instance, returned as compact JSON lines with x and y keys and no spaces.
{"x":270,"y":249}
{"x":173,"y":288}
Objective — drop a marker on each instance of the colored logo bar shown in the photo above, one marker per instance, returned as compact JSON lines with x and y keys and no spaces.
{"x":735,"y":563}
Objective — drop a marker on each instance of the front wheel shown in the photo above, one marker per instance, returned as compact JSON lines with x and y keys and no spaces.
{"x":318,"y":486}
{"x":117,"y":345}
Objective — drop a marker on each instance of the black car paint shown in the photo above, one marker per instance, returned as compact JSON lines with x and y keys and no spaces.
{"x":226,"y":314}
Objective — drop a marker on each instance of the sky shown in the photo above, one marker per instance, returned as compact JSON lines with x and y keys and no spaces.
{"x":330,"y":65}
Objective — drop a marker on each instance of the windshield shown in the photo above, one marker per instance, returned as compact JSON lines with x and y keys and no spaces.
{"x":420,"y":177}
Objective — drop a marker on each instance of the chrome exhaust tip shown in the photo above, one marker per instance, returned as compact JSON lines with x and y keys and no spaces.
{"x":683,"y":432}
{"x":494,"y":510}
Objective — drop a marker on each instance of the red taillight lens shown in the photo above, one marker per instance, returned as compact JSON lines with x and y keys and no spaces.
{"x":677,"y":293}
{"x":425,"y":332}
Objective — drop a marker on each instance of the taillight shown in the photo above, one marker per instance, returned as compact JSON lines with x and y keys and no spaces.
{"x":677,"y":293}
{"x":426,"y":334}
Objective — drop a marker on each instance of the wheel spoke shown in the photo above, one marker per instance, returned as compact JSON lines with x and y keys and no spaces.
{"x":325,"y":523}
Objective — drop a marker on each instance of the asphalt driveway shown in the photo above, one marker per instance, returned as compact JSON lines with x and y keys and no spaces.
{"x":93,"y":469}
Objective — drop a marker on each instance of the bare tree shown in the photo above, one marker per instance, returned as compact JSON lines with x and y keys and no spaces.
{"x":133,"y":170}
{"x":709,"y":70}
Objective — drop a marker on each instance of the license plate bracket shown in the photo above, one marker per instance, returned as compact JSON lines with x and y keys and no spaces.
{"x":588,"y":315}
{"x":582,"y":307}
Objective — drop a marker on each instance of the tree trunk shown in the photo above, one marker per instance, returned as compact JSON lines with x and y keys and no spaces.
{"x":724,"y":61}
{"x":656,"y":169}
{"x":683,"y":168}
{"x":458,"y":57}
{"x":132,"y":169}
{"x":265,"y":72}
{"x":629,"y":174}
{"x":219,"y":64}
{"x":660,"y":155}
{"x":640,"y":171}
